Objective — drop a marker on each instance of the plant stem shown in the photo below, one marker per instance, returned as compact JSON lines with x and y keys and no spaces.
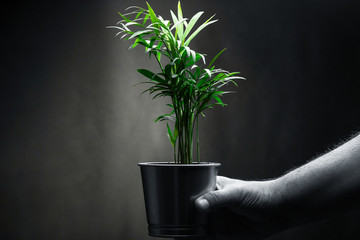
{"x":197,"y":142}
{"x":155,"y":56}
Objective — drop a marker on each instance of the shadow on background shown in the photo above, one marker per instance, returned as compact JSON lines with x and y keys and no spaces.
{"x":73,"y":128}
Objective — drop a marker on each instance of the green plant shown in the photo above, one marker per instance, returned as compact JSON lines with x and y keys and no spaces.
{"x":189,"y":86}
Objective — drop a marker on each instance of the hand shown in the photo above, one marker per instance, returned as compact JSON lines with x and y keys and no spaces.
{"x":324,"y":187}
{"x":242,"y":209}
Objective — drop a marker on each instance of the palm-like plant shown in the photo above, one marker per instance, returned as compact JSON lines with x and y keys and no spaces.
{"x":189,"y":86}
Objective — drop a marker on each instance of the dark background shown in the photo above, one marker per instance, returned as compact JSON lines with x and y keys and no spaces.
{"x":73,"y":128}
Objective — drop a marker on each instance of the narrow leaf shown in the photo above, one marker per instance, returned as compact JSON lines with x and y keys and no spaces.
{"x":152,"y":14}
{"x":205,"y":24}
{"x":217,"y":55}
{"x":175,"y":20}
{"x":170,"y":135}
{"x":180,"y":28}
{"x":150,"y":75}
{"x":191,"y":24}
{"x":140,"y":33}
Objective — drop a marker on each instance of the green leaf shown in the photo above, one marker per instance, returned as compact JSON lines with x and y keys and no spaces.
{"x":188,"y":51}
{"x":176,"y":133}
{"x":217,"y":55}
{"x":134,"y":23}
{"x":138,"y":15}
{"x":191,"y":60}
{"x":170,"y":135}
{"x":165,"y":117}
{"x":152,"y":40}
{"x":208,"y":72}
{"x":143,"y":32}
{"x":152,"y":14}
{"x":125,"y":18}
{"x":180,"y":28}
{"x":150,"y":75}
{"x":191,"y":25}
{"x":205,"y":24}
{"x":141,"y":41}
{"x":146,"y":18}
{"x":202,"y":56}
{"x":175,"y":20}
{"x":216,"y":97}
{"x":160,"y":52}
{"x":176,"y":25}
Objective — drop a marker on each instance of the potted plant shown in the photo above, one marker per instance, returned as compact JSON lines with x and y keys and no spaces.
{"x":170,"y":188}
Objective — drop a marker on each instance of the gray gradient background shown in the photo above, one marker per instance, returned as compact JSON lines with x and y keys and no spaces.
{"x":73,"y":128}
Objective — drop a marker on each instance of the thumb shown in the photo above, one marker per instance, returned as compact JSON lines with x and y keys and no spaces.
{"x":213,"y":200}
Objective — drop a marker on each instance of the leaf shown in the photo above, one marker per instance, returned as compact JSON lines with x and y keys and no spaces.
{"x":134,"y":23}
{"x":217,"y":55}
{"x":152,"y":14}
{"x":188,"y":51}
{"x":165,"y":23}
{"x":193,"y":53}
{"x":180,"y":29}
{"x":193,"y":59}
{"x":122,"y":35}
{"x":138,"y":15}
{"x":125,"y":18}
{"x":165,"y":117}
{"x":175,"y":20}
{"x":150,"y":75}
{"x":216,"y":97}
{"x":170,"y":135}
{"x":180,"y":15}
{"x":146,"y":18}
{"x":177,"y":24}
{"x":168,"y":70}
{"x":208,"y":72}
{"x":205,"y":24}
{"x":236,"y":77}
{"x":191,"y":24}
{"x":194,"y":66}
{"x":175,"y":61}
{"x":140,"y":33}
{"x":134,"y":7}
{"x":176,"y":133}
{"x":202,"y":56}
{"x":116,"y":27}
{"x":158,"y":55}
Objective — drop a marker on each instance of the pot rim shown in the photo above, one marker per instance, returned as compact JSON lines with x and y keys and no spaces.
{"x":172,"y":164}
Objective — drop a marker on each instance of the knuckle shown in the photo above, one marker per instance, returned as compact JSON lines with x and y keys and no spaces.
{"x":214,"y":199}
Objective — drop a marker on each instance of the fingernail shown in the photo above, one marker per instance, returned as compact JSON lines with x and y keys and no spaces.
{"x":203,"y":204}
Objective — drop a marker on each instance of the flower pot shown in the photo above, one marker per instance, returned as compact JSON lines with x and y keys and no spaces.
{"x":170,"y":191}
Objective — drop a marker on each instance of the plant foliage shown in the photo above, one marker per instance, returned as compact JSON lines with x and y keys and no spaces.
{"x":184,"y":79}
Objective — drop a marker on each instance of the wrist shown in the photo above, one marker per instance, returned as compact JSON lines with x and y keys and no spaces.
{"x":291,"y":201}
{"x":277,"y":192}
{"x":281,"y":202}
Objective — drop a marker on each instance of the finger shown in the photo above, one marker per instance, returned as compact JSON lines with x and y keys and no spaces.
{"x":213,"y":200}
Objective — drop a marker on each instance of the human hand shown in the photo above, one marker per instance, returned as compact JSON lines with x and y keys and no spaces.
{"x":243,"y":209}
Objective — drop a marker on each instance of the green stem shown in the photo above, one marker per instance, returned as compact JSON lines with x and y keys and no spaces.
{"x":197,"y":141}
{"x":155,"y":56}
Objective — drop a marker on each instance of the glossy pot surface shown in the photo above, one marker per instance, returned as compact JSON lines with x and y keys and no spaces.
{"x":170,"y":191}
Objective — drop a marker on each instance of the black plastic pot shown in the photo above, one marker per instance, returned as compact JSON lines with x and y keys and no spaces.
{"x":170,"y":191}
